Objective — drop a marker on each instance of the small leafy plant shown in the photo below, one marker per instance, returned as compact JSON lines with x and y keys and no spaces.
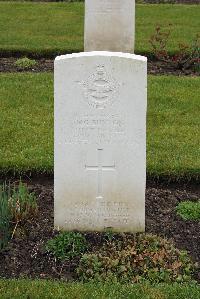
{"x":25,"y":63}
{"x":189,"y":210}
{"x":136,"y":259}
{"x":187,"y":56}
{"x":67,"y":245}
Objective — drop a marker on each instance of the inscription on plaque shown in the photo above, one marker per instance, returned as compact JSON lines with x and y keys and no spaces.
{"x":107,"y":7}
{"x":92,"y":128}
{"x":113,"y":212}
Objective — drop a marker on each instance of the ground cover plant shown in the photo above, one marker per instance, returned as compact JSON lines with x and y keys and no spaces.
{"x":67,"y":245}
{"x":52,"y":28}
{"x":25,"y":63}
{"x":189,"y":210}
{"x":122,"y":258}
{"x":135,"y":258}
{"x":27,"y":125}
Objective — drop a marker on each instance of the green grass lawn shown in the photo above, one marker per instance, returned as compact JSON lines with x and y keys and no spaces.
{"x":26,"y":134}
{"x":53,"y":28}
{"x":23,"y":289}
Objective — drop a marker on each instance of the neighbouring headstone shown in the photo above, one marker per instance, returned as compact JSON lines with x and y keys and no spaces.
{"x":109,"y":25}
{"x":100,"y":141}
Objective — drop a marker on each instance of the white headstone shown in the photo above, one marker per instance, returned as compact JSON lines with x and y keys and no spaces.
{"x":109,"y":25}
{"x":100,"y":141}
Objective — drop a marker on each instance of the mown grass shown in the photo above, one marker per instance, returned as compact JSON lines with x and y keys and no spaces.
{"x":26,"y":125}
{"x":21,"y":289}
{"x":52,"y":28}
{"x":173,"y":137}
{"x":26,"y":103}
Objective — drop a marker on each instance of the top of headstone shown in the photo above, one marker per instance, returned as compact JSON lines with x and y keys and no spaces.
{"x":102,"y":53}
{"x":109,"y":25}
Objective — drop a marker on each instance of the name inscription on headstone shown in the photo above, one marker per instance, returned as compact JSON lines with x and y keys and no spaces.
{"x":91,"y":128}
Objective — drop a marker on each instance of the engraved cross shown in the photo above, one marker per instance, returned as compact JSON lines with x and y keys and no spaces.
{"x":100,"y":168}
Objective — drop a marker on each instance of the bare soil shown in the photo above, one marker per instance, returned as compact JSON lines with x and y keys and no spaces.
{"x":47,"y":65}
{"x":26,"y":256}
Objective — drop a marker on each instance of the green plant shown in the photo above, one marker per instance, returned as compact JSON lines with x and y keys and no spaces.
{"x":189,"y":210}
{"x":67,"y":245}
{"x":16,"y":205}
{"x":22,"y":203}
{"x":5,"y":217}
{"x":187,"y":55}
{"x":25,"y":63}
{"x":109,"y":234}
{"x":136,"y":258}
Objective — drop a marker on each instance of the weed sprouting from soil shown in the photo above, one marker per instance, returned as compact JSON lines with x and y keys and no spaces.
{"x":25,"y":63}
{"x":67,"y":245}
{"x":189,"y":210}
{"x":17,"y":204}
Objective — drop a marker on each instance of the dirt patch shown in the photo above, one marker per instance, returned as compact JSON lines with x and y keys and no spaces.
{"x":161,"y":68}
{"x":47,"y":65}
{"x":26,"y":256}
{"x":43,"y":65}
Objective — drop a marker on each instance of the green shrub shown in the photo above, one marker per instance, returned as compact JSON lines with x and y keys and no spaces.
{"x":25,"y":63}
{"x":189,"y":210}
{"x":136,"y":259}
{"x":67,"y":245}
{"x":5,"y":217}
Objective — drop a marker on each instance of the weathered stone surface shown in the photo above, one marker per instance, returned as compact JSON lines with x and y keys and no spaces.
{"x":100,"y":141}
{"x":109,"y":25}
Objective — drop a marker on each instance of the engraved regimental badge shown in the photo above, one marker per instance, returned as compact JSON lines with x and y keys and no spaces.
{"x":100,"y":88}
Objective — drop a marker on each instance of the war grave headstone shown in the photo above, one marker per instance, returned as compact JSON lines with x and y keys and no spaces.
{"x":100,"y":141}
{"x":109,"y":25}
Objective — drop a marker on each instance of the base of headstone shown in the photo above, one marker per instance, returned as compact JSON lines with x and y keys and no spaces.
{"x":100,"y":141}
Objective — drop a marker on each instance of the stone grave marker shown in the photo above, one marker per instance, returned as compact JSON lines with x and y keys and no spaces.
{"x":109,"y":25}
{"x":100,"y":141}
